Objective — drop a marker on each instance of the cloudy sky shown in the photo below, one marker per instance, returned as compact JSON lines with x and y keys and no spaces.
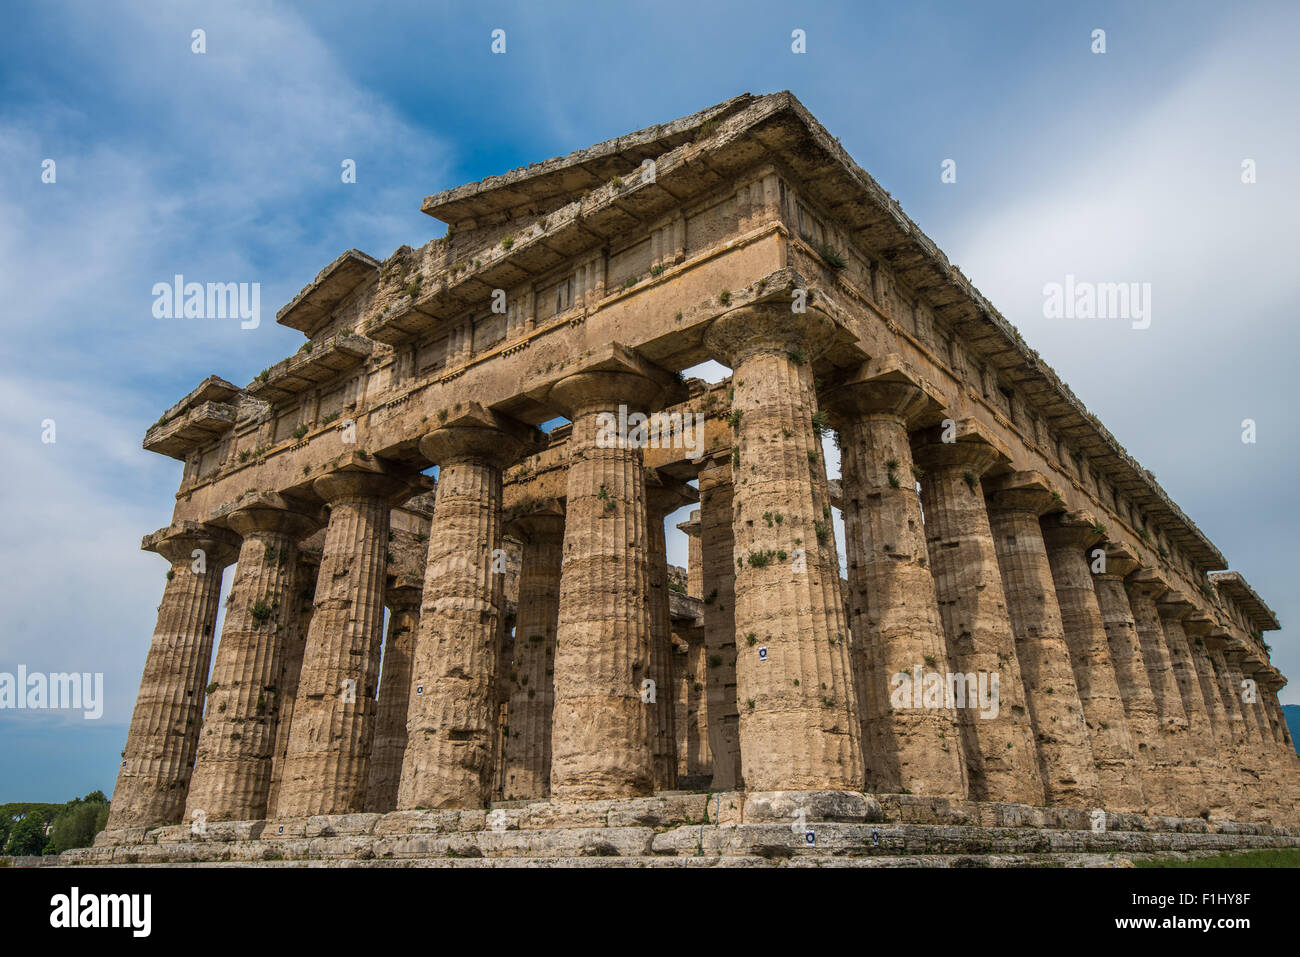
{"x":224,"y":166}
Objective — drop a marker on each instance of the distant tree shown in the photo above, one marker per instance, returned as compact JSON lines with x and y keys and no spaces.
{"x":27,"y":836}
{"x":77,"y":826}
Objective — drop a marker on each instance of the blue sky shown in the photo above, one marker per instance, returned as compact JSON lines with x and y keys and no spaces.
{"x":225,"y":167}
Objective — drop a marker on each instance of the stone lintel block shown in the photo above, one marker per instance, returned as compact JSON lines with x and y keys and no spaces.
{"x":1023,"y":491}
{"x":816,"y":806}
{"x":968,"y":444}
{"x":888,"y":385}
{"x":1198,"y":624}
{"x":341,"y":825}
{"x":665,"y":494}
{"x":539,"y":519}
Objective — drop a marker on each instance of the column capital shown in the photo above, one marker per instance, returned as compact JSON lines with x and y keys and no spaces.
{"x":177,"y":542}
{"x":611,"y":376}
{"x":264,"y":512}
{"x":968,"y":445}
{"x":536,"y":522}
{"x":770,"y":326}
{"x":1199,"y":624}
{"x":1146,"y":583}
{"x":402,"y":598}
{"x":1174,"y":605}
{"x":887,"y":386}
{"x":1077,"y":529}
{"x":1027,"y":491}
{"x":474,"y":434}
{"x":692,"y":525}
{"x":364,"y":478}
{"x":665,"y":494}
{"x":1120,"y":561}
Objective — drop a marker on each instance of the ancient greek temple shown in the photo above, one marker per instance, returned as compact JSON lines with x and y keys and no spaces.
{"x":1026,"y":620}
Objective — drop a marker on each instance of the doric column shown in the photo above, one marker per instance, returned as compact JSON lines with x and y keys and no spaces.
{"x":295,"y":647}
{"x":1173,"y":607}
{"x":389,"y":745}
{"x":799,"y":721}
{"x":154,"y":778}
{"x":718,"y":579}
{"x":663,"y":496}
{"x":1068,"y":536}
{"x":532,"y":692}
{"x":1001,"y":757}
{"x":602,"y":728}
{"x":327,"y":766}
{"x":1154,"y":764}
{"x":1145,"y":587}
{"x":232,"y":773}
{"x":911,"y":745}
{"x":690,"y":674}
{"x":453,"y":714}
{"x":1065,"y":758}
{"x":694,"y":555}
{"x":1275,"y":775}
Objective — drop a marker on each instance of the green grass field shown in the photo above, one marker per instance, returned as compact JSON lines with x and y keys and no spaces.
{"x":1267,"y":857}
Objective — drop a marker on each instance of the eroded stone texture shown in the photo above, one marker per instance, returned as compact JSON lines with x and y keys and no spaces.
{"x":718,"y":580}
{"x":1173,"y":608}
{"x":1001,"y":757}
{"x":799,"y":722}
{"x":453,"y":718}
{"x":1064,"y":750}
{"x":154,"y":779}
{"x":602,"y":731}
{"x":1159,"y":786}
{"x":532,"y":691}
{"x":304,"y":591}
{"x":1068,"y":537}
{"x":232,"y":772}
{"x":663,"y":496}
{"x":690,"y":675}
{"x":1188,"y":780}
{"x":910,"y":745}
{"x":389,"y":745}
{"x":694,"y":555}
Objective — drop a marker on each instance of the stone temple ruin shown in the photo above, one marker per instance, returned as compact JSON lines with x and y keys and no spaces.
{"x":550,"y":688}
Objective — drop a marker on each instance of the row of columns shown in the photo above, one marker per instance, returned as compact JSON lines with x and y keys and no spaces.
{"x":1108,"y":689}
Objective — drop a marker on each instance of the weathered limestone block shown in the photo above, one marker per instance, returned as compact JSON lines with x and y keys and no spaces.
{"x":232,"y":772}
{"x":1173,"y":607}
{"x":532,"y":692}
{"x":663,"y":496}
{"x":295,"y":648}
{"x":326,"y":769}
{"x":1069,"y":536}
{"x":1065,"y":757}
{"x":909,"y":744}
{"x":155,"y":775}
{"x":602,"y":731}
{"x":1257,"y":795}
{"x":1197,"y":627}
{"x":389,"y":746}
{"x":799,"y":722}
{"x":718,"y":579}
{"x":1001,"y":757}
{"x":1153,"y":762}
{"x":452,"y":720}
{"x":1145,"y":586}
